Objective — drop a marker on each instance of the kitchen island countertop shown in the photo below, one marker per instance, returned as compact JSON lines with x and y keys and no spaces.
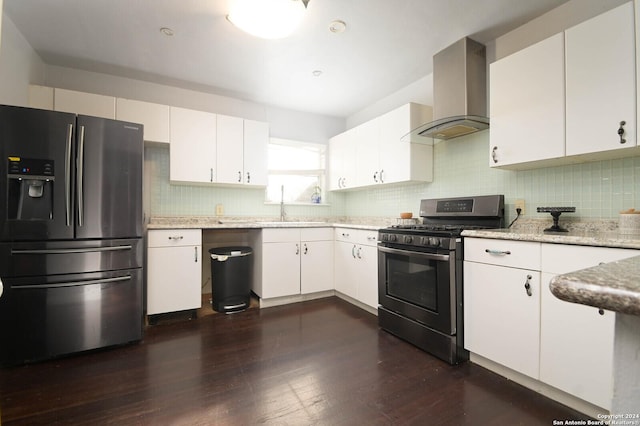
{"x":613,"y":286}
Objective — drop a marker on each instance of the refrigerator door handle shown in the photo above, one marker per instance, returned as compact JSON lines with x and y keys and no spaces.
{"x":73,"y":283}
{"x":72,"y":250}
{"x":67,"y":175}
{"x":80,"y":177}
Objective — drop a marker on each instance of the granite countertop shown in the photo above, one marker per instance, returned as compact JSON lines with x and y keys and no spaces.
{"x":597,"y":238}
{"x":205,"y":222}
{"x":613,"y":286}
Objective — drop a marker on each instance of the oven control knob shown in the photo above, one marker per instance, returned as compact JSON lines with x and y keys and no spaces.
{"x":384,"y":237}
{"x":408,"y":239}
{"x":433,"y":241}
{"x":392,"y":238}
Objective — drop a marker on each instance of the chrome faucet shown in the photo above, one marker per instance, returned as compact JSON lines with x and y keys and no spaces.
{"x":282,"y":213}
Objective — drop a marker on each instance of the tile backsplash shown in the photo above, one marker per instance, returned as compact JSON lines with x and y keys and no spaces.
{"x":597,"y":189}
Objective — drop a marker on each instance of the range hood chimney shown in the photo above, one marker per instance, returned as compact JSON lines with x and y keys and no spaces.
{"x":459,"y":93}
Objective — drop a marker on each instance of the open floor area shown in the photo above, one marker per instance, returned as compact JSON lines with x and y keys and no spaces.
{"x":323,"y":362}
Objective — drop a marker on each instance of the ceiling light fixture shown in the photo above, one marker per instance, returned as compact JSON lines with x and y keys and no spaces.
{"x":166,"y":31}
{"x":316,"y":73}
{"x":270,"y":19}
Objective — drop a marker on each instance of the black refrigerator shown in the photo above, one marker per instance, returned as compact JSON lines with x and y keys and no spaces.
{"x":71,"y":251}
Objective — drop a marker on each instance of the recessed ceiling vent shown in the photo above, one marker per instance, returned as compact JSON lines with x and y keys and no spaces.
{"x":459,"y":93}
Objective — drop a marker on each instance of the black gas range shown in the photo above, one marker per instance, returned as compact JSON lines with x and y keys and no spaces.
{"x":420,"y":283}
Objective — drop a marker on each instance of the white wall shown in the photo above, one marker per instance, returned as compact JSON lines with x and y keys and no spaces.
{"x":284,"y":123}
{"x":565,"y":16}
{"x":19,"y":65}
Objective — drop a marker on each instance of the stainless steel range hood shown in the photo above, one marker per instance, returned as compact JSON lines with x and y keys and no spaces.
{"x":459,"y":94}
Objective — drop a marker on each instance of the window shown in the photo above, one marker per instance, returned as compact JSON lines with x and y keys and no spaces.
{"x":296,"y":172}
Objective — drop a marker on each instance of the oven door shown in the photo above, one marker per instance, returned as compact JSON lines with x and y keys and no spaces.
{"x":419,"y":285}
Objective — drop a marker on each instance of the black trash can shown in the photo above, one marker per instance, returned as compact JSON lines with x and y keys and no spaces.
{"x":231,"y":273}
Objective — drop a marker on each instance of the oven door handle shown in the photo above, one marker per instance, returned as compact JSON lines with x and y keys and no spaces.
{"x":431,"y":256}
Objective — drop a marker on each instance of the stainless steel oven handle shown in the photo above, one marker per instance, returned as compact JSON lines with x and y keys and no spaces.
{"x":431,"y":256}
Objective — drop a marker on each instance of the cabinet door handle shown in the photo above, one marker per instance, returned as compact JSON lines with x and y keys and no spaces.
{"x":359,"y":252}
{"x":621,"y":132}
{"x":494,"y":154}
{"x":527,"y":286}
{"x":239,"y":176}
{"x":375,"y":177}
{"x":176,"y":237}
{"x":381,"y":176}
{"x":601,"y":311}
{"x":211,"y":175}
{"x":248,"y":178}
{"x":498,"y":252}
{"x":297,"y":248}
{"x":195,"y":253}
{"x":345,"y":235}
{"x":353,"y":252}
{"x":306,"y":249}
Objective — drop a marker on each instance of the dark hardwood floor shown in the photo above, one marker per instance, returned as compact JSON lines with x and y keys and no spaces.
{"x":323,"y":362}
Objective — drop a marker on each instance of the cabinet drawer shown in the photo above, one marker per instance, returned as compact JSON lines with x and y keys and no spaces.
{"x":357,"y":236}
{"x":514,"y":254}
{"x":316,"y":234}
{"x":174,"y":237}
{"x":280,"y":235}
{"x":345,"y":234}
{"x":560,"y":259}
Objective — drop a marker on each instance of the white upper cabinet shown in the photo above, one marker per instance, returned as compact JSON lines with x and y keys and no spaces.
{"x":601,"y":88}
{"x":256,"y":142}
{"x":84,"y":103}
{"x":527,"y":105}
{"x":564,"y":102}
{"x":342,"y":160}
{"x":154,"y":118}
{"x":242,"y":151}
{"x":192,"y":153}
{"x":374,"y":153}
{"x":368,"y":153}
{"x":229,"y":157}
{"x":403,"y":161}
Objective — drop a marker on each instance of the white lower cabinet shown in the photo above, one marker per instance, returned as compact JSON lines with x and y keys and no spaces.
{"x":576,"y":341}
{"x":565,"y":345}
{"x":174,"y":270}
{"x":502,"y":303}
{"x":356,"y":264}
{"x":294,"y":261}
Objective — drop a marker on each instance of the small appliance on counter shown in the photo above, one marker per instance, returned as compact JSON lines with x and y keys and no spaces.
{"x":629,"y":222}
{"x":555,"y":214}
{"x":420,"y":286}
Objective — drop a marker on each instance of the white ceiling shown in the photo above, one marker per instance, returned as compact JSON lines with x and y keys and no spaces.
{"x":388,"y":44}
